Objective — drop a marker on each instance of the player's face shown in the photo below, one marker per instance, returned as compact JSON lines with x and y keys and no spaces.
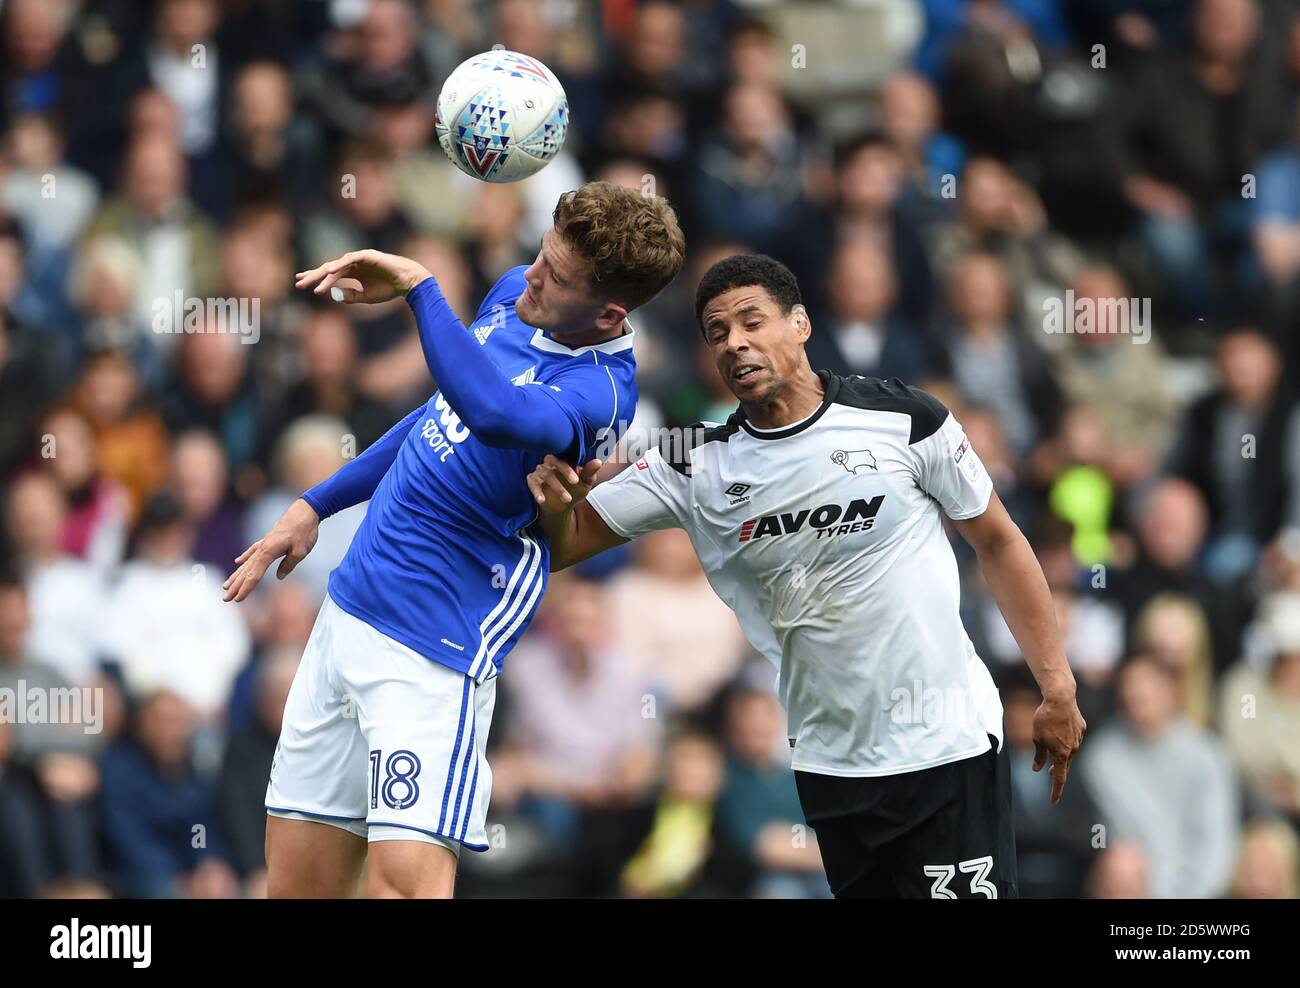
{"x":559,"y":298}
{"x":756,"y":347}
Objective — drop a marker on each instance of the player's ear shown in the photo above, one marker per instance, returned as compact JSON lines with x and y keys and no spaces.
{"x":802,"y":324}
{"x":611,"y":318}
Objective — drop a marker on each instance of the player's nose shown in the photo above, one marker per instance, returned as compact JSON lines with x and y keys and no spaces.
{"x":737,"y":341}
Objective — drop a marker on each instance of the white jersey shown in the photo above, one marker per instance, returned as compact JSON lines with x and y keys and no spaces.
{"x":825,"y":538}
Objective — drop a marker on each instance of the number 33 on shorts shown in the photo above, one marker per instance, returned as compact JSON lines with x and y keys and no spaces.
{"x":978,"y":870}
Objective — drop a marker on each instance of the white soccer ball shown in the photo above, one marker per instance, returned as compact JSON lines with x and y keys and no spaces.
{"x":501,"y":116}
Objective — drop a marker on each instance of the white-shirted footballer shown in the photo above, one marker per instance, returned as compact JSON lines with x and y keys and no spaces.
{"x":860,"y":616}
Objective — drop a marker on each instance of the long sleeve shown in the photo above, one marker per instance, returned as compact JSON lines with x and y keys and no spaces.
{"x":489,"y":404}
{"x":356,"y":481}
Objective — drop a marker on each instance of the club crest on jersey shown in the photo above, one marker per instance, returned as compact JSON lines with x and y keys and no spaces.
{"x":854,"y":460}
{"x":827,"y":521}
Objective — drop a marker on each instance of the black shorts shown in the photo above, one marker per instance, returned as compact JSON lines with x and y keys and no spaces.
{"x":938,"y":833}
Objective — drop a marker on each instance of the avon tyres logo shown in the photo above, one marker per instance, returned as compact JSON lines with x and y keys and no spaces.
{"x":827,"y":521}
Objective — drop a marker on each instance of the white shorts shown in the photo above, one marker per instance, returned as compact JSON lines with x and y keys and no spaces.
{"x":382,"y":742}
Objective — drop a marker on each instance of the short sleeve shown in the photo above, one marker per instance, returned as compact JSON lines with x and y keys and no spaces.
{"x":643,"y":497}
{"x":949,"y":470}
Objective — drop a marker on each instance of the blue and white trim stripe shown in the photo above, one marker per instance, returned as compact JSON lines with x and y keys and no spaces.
{"x":471,"y":755}
{"x":518,"y":601}
{"x":458,"y":754}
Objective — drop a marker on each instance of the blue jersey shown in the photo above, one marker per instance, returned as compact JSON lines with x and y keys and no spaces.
{"x":445,"y":561}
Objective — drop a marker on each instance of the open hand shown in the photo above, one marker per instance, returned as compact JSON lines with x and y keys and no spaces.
{"x":558,"y":487}
{"x":364,"y":276}
{"x":292,"y":537}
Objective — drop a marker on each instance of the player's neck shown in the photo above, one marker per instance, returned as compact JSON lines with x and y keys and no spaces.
{"x":589,"y":337}
{"x":796,"y":401}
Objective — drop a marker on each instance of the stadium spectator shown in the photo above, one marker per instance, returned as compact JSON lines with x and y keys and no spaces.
{"x":258,"y":267}
{"x":868,"y":204}
{"x":1116,"y":373}
{"x":993,"y":362}
{"x":1178,"y":139}
{"x":131,"y":438}
{"x":174,"y":243}
{"x":1259,"y":711}
{"x":749,"y":181}
{"x":160,"y":816}
{"x":275,"y":155}
{"x":58,"y":747}
{"x":246,"y":767}
{"x":1053,"y":843}
{"x":910,"y":119}
{"x":863,"y":332}
{"x":1121,"y":871}
{"x":1174,"y":632}
{"x":67,"y":596}
{"x":201,"y":480}
{"x":759,"y":807}
{"x":685,"y":852}
{"x":29,"y":380}
{"x":1269,"y":864}
{"x":375,"y":64}
{"x":52,"y":201}
{"x":1171,"y":523}
{"x":671,"y":625}
{"x":328,"y":386}
{"x":309,"y":451}
{"x":98,"y":507}
{"x":1167,"y":784}
{"x":165,"y":625}
{"x":583,"y":718}
{"x":1000,"y":215}
{"x":214,"y":389}
{"x":1249,"y":497}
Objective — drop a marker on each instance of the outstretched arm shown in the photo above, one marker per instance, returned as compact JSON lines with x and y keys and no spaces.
{"x":296,"y":531}
{"x":486,"y":400}
{"x":1017,"y":583}
{"x":357,"y":479}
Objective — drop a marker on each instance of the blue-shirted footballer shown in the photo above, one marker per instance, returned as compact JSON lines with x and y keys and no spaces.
{"x":386,"y":722}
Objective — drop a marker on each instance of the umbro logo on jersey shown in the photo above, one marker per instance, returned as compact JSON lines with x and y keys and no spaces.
{"x":737,"y":492}
{"x":854,"y":460}
{"x":827,"y":521}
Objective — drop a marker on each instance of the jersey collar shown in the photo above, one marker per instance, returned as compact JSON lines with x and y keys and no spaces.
{"x":617,"y":345}
{"x":830,"y":384}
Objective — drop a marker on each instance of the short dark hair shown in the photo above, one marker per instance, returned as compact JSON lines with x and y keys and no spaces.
{"x":743,"y":270}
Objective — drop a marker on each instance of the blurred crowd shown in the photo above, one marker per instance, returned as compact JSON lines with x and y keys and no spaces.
{"x":986,"y":160}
